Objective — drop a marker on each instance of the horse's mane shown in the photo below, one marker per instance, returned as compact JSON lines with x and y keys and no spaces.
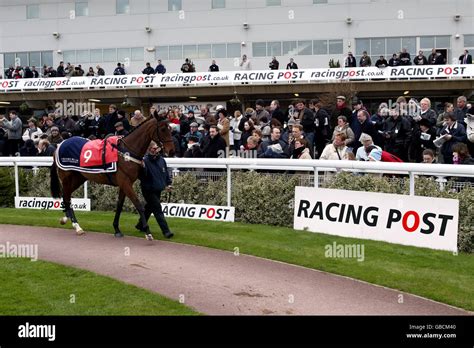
{"x":146,"y":121}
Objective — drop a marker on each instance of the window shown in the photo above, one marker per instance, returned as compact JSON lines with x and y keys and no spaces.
{"x":364,"y":45}
{"x":138,"y":54}
{"x":96,"y":56}
{"x":443,"y":42}
{"x":123,"y":55}
{"x":218,"y":4}
{"x":190,"y":51}
{"x":174,"y":5}
{"x":410,"y":44}
{"x":427,"y":42}
{"x":162,"y":53}
{"x":233,"y":50}
{"x":219,"y":51}
{"x":393,"y":46}
{"x":273,"y":2}
{"x":468,"y":40}
{"x":82,"y":9}
{"x":204,"y":51}
{"x":305,"y":48}
{"x":32,"y":11}
{"x":83,"y":56}
{"x":110,"y":55}
{"x":69,"y":57}
{"x":336,"y":47}
{"x":35,"y":59}
{"x":377,"y":46}
{"x":176,"y":52}
{"x":320,"y":47}
{"x":122,"y":6}
{"x":47,"y":58}
{"x":274,"y":49}
{"x":21,"y":59}
{"x":289,"y":48}
{"x":259,"y":49}
{"x":316,"y":2}
{"x":8,"y":60}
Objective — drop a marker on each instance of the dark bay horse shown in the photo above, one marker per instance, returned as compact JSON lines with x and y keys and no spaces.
{"x":131,"y":150}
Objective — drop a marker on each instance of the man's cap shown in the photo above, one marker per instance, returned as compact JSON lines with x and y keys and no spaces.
{"x":341,"y":97}
{"x":194,"y":124}
{"x":219,"y":107}
{"x":118,"y":124}
{"x":365,"y":137}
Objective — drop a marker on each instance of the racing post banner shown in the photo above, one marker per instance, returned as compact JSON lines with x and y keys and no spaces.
{"x":237,"y":77}
{"x":200,"y":212}
{"x":82,"y":204}
{"x":418,"y":221}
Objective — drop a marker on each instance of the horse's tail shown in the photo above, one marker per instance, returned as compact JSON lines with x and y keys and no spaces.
{"x":55,"y":186}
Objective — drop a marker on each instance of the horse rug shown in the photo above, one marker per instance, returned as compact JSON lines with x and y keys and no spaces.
{"x":87,"y":156}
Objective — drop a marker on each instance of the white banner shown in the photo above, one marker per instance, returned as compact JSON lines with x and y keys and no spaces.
{"x":185,"y":107}
{"x":44,"y":203}
{"x":419,"y":221}
{"x":238,"y":77}
{"x":200,"y":212}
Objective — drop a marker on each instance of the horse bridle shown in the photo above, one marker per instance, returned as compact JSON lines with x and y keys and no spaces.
{"x":131,"y":156}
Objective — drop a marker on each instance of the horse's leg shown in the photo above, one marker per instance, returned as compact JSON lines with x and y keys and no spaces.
{"x":127,"y":188}
{"x":121,"y":200}
{"x":71,"y":182}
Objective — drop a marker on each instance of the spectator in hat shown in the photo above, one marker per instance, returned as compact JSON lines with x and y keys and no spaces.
{"x":55,"y":138}
{"x":121,"y":117}
{"x":120,"y":130}
{"x":193,"y":149}
{"x":366,"y":141}
{"x":193,"y":132}
{"x":341,"y":109}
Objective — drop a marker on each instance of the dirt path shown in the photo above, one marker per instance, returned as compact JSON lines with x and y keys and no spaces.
{"x":218,"y":282}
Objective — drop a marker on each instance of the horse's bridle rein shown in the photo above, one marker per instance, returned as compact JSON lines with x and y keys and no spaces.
{"x":131,"y":156}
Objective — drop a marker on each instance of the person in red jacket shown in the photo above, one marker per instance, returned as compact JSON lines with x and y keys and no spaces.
{"x":377,"y":155}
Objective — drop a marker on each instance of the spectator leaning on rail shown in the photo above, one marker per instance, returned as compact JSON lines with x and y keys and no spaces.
{"x":337,"y":150}
{"x":274,"y":147}
{"x":291,"y":64}
{"x":32,"y":132}
{"x":119,"y":70}
{"x":274,"y":64}
{"x":405,"y":57}
{"x":154,"y":179}
{"x":160,"y":68}
{"x":453,"y":132}
{"x":366,"y":141}
{"x":365,"y":60}
{"x":350,"y":61}
{"x":420,"y":59}
{"x":14,"y":129}
{"x":148,"y":70}
{"x":465,"y":58}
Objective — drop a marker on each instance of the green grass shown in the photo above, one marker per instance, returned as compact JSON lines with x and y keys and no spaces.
{"x":45,"y":288}
{"x":438,"y":275}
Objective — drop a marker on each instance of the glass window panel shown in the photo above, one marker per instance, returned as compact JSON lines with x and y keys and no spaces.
{"x":176,"y":52}
{"x":83,"y":56}
{"x":443,"y":42}
{"x":110,"y":55}
{"x":218,"y":3}
{"x":8,"y":60}
{"x":410,"y":44}
{"x":274,"y":49}
{"x":69,"y":57}
{"x":259,"y":49}
{"x":320,"y":47}
{"x":162,"y":53}
{"x":138,"y":54}
{"x":219,"y":51}
{"x":190,"y":51}
{"x":377,"y":46}
{"x":22,"y":59}
{"x":363,"y":45}
{"x":289,"y":48}
{"x":123,"y":54}
{"x":35,"y":59}
{"x":305,"y":48}
{"x":336,"y":47}
{"x":82,"y":9}
{"x":320,"y":2}
{"x":47,"y":58}
{"x":96,"y":56}
{"x":32,"y":11}
{"x":427,"y":42}
{"x":122,"y":6}
{"x":204,"y":51}
{"x":273,"y":2}
{"x":468,"y":40}
{"x":393,"y":46}
{"x":174,"y":5}
{"x":233,"y":50}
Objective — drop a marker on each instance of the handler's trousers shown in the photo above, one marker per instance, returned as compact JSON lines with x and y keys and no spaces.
{"x":153,"y":205}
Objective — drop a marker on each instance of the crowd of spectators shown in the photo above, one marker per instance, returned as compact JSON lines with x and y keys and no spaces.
{"x":403,"y":131}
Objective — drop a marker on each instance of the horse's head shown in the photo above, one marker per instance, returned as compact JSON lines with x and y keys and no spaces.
{"x":163,"y":136}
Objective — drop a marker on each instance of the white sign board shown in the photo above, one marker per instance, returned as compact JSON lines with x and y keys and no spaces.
{"x":44,"y":203}
{"x":200,"y":212}
{"x":185,"y":107}
{"x":418,"y":221}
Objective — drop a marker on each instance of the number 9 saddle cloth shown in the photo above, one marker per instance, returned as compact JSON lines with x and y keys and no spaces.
{"x":88,"y":156}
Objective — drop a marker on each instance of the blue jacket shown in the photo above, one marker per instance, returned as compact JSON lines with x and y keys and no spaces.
{"x":155,"y":176}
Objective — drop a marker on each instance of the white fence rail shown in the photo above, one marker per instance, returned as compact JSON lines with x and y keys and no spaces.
{"x":441,"y":171}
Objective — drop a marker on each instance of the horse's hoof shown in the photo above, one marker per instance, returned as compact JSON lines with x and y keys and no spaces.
{"x":118,"y":235}
{"x":63,"y":220}
{"x":80,"y":232}
{"x":149,"y":237}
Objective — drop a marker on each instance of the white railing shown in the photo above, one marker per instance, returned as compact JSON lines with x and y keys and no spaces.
{"x":315,"y":166}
